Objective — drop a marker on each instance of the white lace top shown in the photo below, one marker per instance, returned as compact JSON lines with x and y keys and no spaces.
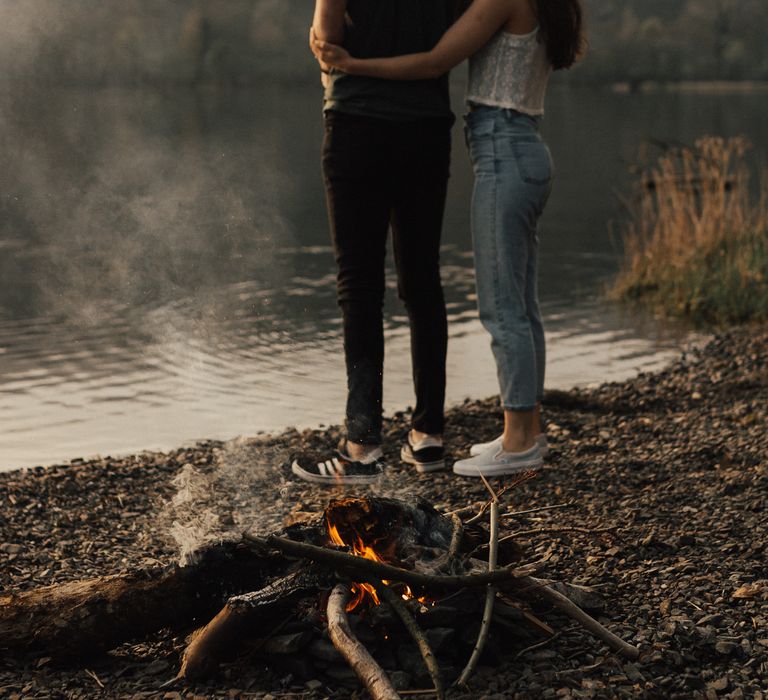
{"x":510,"y":71}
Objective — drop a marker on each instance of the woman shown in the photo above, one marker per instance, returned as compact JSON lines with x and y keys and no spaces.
{"x":513,"y":46}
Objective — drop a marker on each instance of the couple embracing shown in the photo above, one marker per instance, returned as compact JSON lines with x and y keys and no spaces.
{"x":386,"y":157}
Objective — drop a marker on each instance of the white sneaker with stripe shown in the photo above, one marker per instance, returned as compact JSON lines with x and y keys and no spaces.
{"x":339,"y":469}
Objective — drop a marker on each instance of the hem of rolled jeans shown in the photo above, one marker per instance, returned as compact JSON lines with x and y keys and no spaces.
{"x":526,"y":407}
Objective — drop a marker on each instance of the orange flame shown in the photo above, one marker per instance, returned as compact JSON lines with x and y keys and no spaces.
{"x":360,"y":549}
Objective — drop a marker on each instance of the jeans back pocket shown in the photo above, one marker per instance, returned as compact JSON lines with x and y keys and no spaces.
{"x":533,"y":161}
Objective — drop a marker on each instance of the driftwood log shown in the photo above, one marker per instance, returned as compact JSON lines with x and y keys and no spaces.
{"x":74,"y":620}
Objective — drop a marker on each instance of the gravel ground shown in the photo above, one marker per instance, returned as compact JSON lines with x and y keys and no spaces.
{"x":677,"y":460}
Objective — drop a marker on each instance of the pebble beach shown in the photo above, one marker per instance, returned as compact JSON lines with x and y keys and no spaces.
{"x":660,"y":485}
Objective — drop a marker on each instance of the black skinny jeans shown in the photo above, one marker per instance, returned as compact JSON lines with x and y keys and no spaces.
{"x":381,"y":174}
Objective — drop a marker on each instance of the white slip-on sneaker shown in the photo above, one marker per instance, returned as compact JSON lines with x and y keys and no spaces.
{"x":497,"y":462}
{"x":480,"y":447}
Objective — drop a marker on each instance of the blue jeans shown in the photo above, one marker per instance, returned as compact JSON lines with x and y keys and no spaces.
{"x":513,"y":178}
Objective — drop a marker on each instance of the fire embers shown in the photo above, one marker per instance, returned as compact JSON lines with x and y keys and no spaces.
{"x":373,"y":530}
{"x":303,"y":649}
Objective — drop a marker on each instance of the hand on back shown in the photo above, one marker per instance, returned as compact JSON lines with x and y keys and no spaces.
{"x":328,"y":54}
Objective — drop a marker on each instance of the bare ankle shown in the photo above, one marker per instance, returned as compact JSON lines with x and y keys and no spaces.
{"x":518,"y":430}
{"x":517,"y":443}
{"x":417,"y":436}
{"x":359,"y":451}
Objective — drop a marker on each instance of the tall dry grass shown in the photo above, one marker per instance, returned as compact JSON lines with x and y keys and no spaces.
{"x":696,"y":242}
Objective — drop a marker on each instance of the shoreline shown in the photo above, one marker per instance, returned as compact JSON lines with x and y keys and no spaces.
{"x":704,"y":87}
{"x":678,"y":458}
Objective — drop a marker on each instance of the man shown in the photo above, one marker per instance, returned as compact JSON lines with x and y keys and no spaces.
{"x":386,"y":157}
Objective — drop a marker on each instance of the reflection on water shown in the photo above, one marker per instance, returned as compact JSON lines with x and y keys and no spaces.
{"x":165,"y":272}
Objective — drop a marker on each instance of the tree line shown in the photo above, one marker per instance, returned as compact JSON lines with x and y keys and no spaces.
{"x":244,"y":41}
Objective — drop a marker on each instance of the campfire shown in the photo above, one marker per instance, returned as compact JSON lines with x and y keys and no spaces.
{"x":389,"y":593}
{"x":352,"y":526}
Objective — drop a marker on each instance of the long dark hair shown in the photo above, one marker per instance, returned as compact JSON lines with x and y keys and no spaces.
{"x":561,"y":25}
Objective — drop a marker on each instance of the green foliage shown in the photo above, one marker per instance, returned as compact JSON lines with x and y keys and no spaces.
{"x":697,"y":241}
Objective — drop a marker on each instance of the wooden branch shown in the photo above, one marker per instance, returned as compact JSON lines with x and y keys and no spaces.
{"x":577,"y":614}
{"x":368,"y":671}
{"x":396,"y":603}
{"x":366,"y":568}
{"x":490,"y":597}
{"x":458,"y":532}
{"x":586,"y":597}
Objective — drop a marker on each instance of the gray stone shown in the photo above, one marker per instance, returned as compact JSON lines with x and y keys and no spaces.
{"x":715,"y":619}
{"x":720,"y":684}
{"x":286,"y":643}
{"x":341,"y":673}
{"x":325,"y":651}
{"x":440,"y":638}
{"x":156,"y":667}
{"x":400,"y":680}
{"x":725,"y":648}
{"x":9,"y":548}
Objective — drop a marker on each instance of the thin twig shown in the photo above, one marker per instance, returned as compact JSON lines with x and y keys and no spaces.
{"x":494,"y":496}
{"x":484,"y":507}
{"x":535,"y":620}
{"x":585,"y":669}
{"x":490,"y":597}
{"x":541,"y":509}
{"x":554,"y":530}
{"x":537,"y":646}
{"x":369,"y":568}
{"x":475,"y":509}
{"x":95,"y":677}
{"x":465,"y":510}
{"x":396,"y":603}
{"x":368,"y":671}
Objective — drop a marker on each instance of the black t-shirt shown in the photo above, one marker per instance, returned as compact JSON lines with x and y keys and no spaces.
{"x":384,"y":28}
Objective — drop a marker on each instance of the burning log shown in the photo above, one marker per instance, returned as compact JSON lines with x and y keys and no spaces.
{"x":221,"y":636}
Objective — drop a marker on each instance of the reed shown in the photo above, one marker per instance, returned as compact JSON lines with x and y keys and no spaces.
{"x":696,"y":240}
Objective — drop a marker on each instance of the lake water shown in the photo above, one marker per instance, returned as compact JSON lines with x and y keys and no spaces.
{"x":166,"y":276}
